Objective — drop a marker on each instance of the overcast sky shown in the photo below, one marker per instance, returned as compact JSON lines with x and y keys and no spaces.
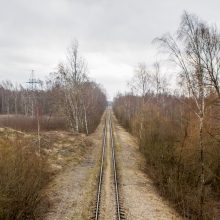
{"x":114,"y":35}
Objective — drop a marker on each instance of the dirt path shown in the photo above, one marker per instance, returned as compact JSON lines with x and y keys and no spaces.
{"x":140,"y":199}
{"x":72,"y":192}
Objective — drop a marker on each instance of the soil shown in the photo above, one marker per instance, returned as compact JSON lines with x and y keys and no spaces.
{"x":139,"y":197}
{"x":70,"y":195}
{"x":108,"y":203}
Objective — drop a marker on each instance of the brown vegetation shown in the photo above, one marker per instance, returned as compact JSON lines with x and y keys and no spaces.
{"x":83,"y":101}
{"x":169,"y":141}
{"x":23,"y":174}
{"x":69,"y":100}
{"x":29,"y":124}
{"x":179,"y":134}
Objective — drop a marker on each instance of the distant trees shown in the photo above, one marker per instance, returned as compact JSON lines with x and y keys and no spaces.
{"x":15,"y":99}
{"x":148,"y":80}
{"x":11,"y":98}
{"x":72,"y":78}
{"x":68,"y":93}
{"x":159,"y":81}
{"x":141,"y":81}
{"x":83,"y":99}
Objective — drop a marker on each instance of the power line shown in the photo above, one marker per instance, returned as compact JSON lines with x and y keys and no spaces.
{"x":31,"y":98}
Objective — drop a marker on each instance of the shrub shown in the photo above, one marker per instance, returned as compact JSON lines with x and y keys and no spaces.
{"x":23,"y":173}
{"x":167,"y":131}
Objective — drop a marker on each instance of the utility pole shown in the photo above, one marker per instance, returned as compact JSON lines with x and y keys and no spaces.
{"x":33,"y":82}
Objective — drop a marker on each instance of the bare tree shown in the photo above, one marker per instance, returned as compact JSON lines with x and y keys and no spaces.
{"x":210,"y":39}
{"x":73,"y":75}
{"x":188,"y":55}
{"x":158,"y":80}
{"x":78,"y":90}
{"x":140,"y":83}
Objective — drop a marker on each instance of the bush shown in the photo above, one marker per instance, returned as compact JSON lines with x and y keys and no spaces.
{"x":23,"y":173}
{"x":167,"y":132}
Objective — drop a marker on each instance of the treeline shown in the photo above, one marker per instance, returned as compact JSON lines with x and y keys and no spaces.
{"x":179,"y":132}
{"x":17,"y":99}
{"x":67,"y":93}
{"x":84,"y":101}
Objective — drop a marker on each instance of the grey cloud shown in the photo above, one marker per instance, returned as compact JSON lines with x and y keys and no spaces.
{"x":114,"y":34}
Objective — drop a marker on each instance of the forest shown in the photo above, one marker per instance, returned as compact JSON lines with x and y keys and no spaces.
{"x":67,"y":99}
{"x":178,"y":130}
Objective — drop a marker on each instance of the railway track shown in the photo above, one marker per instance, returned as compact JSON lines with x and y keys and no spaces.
{"x":108,"y":204}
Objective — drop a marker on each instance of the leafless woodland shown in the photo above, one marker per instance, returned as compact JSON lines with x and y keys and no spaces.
{"x":178,"y":132}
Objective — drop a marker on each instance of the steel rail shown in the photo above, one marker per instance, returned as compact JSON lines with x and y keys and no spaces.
{"x":114,"y":170}
{"x":108,"y":120}
{"x":101,"y":171}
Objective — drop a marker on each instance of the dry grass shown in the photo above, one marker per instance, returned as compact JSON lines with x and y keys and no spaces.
{"x":26,"y":123}
{"x":23,"y":173}
{"x":63,"y":148}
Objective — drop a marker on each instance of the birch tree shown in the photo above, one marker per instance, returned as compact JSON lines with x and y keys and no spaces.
{"x":189,"y":50}
{"x":79,"y":91}
{"x":141,"y":85}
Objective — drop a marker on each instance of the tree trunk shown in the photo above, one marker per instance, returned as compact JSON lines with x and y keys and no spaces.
{"x":202,"y":163}
{"x":85,"y":118}
{"x":16,"y":108}
{"x":76,"y":119}
{"x":38,"y":131}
